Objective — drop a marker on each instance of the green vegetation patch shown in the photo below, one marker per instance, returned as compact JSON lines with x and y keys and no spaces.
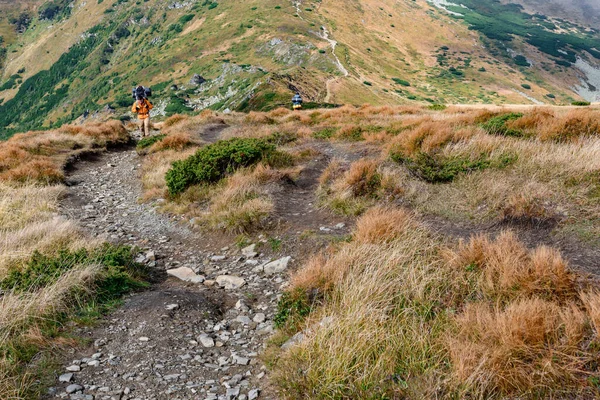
{"x":149,"y":141}
{"x":292,"y":309}
{"x":121,"y":274}
{"x":502,"y":22}
{"x":438,"y":168}
{"x":497,"y":125}
{"x":325,"y":133}
{"x":211,"y":163}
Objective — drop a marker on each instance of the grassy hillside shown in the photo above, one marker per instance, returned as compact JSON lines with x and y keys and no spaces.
{"x":452,"y":284}
{"x":253,"y":55}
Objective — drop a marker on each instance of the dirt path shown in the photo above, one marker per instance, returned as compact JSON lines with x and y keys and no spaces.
{"x":178,"y":340}
{"x":340,"y":66}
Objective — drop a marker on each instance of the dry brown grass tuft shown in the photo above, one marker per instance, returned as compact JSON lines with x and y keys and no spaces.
{"x":333,"y":170}
{"x":241,"y":205}
{"x":363,"y":178}
{"x":41,"y":170}
{"x":364,"y":183}
{"x":381,"y":225}
{"x":259,"y":119}
{"x":175,"y":141}
{"x":525,"y":208}
{"x":174,"y":120}
{"x":279,"y":112}
{"x":507,"y":270}
{"x":102,"y":132}
{"x":530,"y":347}
{"x":591,"y":300}
{"x":154,"y":168}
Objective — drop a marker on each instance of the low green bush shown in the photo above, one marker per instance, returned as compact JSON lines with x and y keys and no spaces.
{"x":437,"y":107}
{"x":211,"y":163}
{"x":402,"y":82}
{"x":121,"y":274}
{"x":497,"y":125}
{"x":149,"y":141}
{"x":439,"y":168}
{"x":292,"y":309}
{"x":581,"y":103}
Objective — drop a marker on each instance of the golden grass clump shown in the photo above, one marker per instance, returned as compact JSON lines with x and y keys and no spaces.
{"x":526,"y":208}
{"x":102,"y":132}
{"x":530,"y":347}
{"x":41,"y":170}
{"x":363,"y":178}
{"x":174,"y":120}
{"x":333,"y":170}
{"x":507,"y":270}
{"x":351,"y":191}
{"x":175,"y":141}
{"x":382,"y":224}
{"x":258,"y":118}
{"x":154,"y":169}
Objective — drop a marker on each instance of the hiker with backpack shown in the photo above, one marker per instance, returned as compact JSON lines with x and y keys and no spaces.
{"x":142,"y":107}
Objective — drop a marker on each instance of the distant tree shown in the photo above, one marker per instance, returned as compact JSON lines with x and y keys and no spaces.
{"x":522,"y":61}
{"x":21,"y":22}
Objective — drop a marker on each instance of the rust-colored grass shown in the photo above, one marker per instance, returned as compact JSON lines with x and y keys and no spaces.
{"x":41,"y":156}
{"x":506,"y":270}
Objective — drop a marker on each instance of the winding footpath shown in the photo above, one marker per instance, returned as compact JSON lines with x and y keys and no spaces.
{"x":195,"y":336}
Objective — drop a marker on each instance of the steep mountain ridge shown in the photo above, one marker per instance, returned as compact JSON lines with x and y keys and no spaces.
{"x":86,"y":55}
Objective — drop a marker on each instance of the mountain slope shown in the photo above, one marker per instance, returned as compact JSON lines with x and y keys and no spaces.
{"x":254,"y":54}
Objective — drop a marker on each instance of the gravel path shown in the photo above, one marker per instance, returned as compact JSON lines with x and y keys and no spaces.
{"x":194,"y":339}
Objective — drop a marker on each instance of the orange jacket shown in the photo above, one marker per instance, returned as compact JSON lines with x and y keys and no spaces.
{"x":142,"y":110}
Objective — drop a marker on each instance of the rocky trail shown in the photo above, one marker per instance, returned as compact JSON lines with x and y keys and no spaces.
{"x":198,"y":331}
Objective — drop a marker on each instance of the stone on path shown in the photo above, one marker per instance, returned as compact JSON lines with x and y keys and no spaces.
{"x":249,"y":251}
{"x":260,"y":317}
{"x":186,"y":274}
{"x":232,"y":393}
{"x":278,"y":266}
{"x":206,"y":340}
{"x":230,"y":282}
{"x":66,"y":377}
{"x":74,"y":388}
{"x":74,"y":368}
{"x":253,"y":394}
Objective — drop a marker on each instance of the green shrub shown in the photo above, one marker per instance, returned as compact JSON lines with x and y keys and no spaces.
{"x":401,"y":81}
{"x":581,"y":103}
{"x":211,"y":163}
{"x":149,"y":141}
{"x":437,"y":107}
{"x":497,"y":125}
{"x":438,"y":168}
{"x":292,"y":309}
{"x":120,"y":275}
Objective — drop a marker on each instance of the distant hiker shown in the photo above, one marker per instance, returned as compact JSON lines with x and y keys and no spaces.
{"x":142,"y":108}
{"x":297,"y":102}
